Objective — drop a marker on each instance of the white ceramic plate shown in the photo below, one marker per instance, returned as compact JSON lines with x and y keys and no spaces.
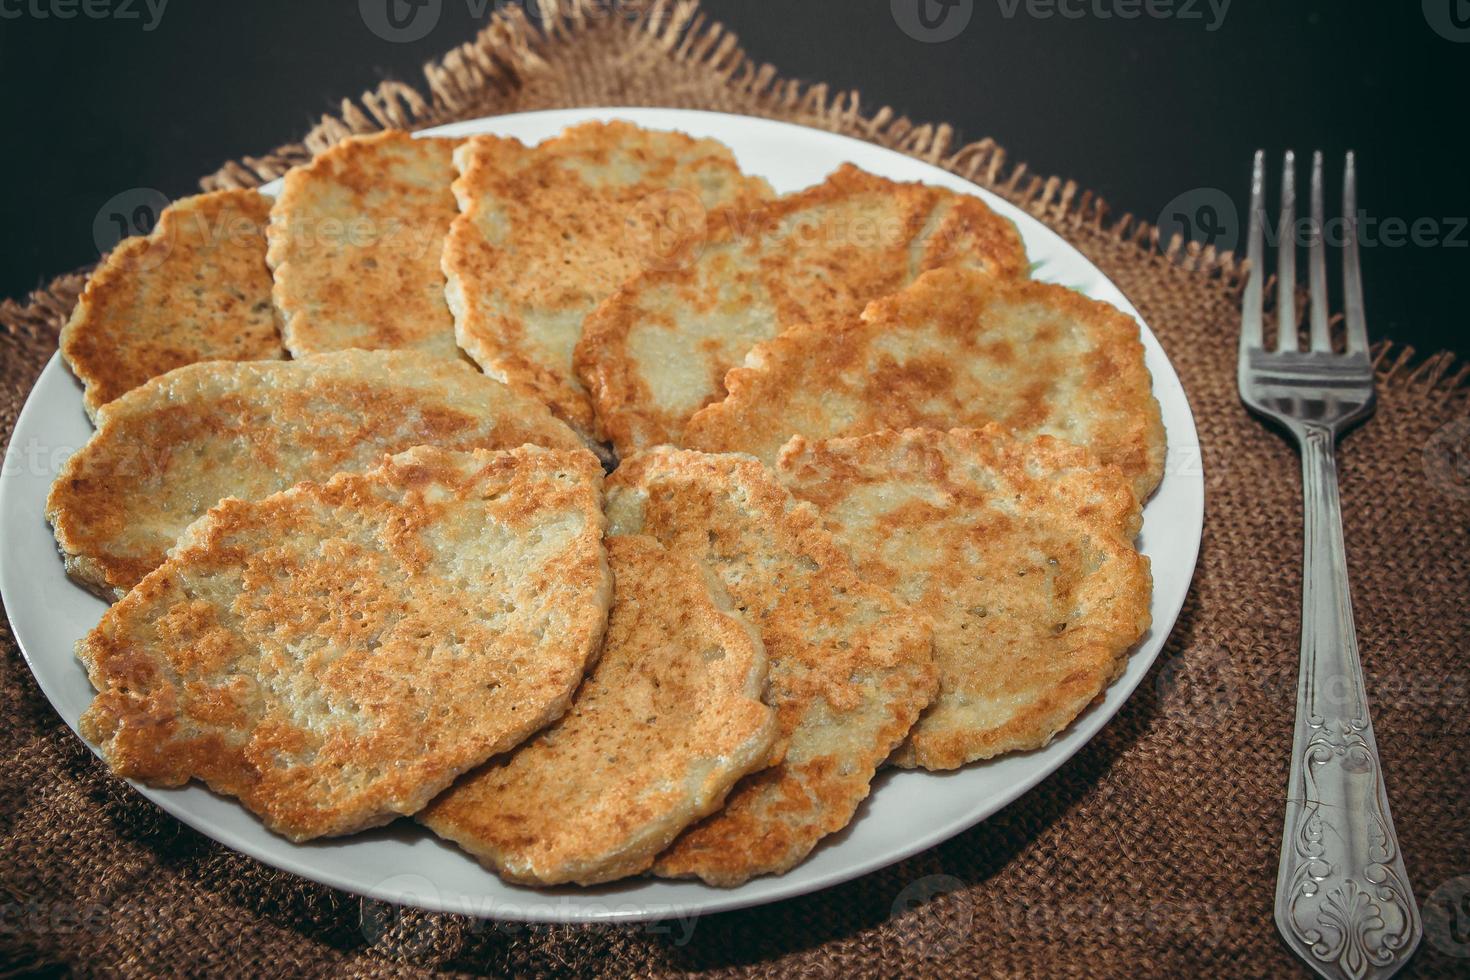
{"x":402,"y":864}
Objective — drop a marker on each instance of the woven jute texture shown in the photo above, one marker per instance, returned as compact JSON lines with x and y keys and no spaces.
{"x":1151,"y":853}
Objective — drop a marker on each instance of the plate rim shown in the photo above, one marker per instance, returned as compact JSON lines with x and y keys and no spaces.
{"x":549,"y":910}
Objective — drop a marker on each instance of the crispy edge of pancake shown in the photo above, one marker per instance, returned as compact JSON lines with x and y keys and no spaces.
{"x":348,"y":164}
{"x":1042,"y":477}
{"x":110,"y":361}
{"x":158,"y":718}
{"x":774,"y":817}
{"x":111,"y":461}
{"x":492,"y":165}
{"x":624,"y":404}
{"x":482,"y":162}
{"x":673,"y":629}
{"x":805,"y":360}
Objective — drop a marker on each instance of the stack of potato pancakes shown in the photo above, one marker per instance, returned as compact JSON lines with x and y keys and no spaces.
{"x":592,"y":505}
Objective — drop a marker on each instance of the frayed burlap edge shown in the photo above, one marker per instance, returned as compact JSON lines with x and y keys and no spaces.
{"x":508,"y":55}
{"x":470,"y":79}
{"x":510,"y":49}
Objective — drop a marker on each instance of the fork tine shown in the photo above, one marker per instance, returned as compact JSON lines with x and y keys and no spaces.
{"x":1352,"y":274}
{"x":1250,"y":319}
{"x":1321,"y":339}
{"x":1286,"y":339}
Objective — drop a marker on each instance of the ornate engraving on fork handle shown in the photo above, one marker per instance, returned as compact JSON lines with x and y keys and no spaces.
{"x":1343,"y":900}
{"x":1348,"y":906}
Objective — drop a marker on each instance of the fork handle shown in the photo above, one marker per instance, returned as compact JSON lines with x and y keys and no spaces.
{"x":1343,"y":900}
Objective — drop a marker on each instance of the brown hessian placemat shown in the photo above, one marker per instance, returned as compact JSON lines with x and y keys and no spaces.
{"x":1151,"y":853}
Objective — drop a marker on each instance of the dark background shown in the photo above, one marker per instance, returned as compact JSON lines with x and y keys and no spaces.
{"x":1159,"y":115}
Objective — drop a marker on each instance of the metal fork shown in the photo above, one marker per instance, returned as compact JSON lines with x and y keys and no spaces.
{"x":1343,"y":900}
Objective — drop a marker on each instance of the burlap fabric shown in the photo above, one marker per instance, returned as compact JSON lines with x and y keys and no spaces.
{"x":1151,"y":853}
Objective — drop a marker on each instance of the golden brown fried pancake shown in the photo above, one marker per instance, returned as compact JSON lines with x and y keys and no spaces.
{"x":1020,"y":555}
{"x":851,"y":668}
{"x":195,"y":289}
{"x":166,"y":452}
{"x":545,"y":234}
{"x":957,"y":349}
{"x":657,"y":350}
{"x":663,"y":726}
{"x":355,"y":237}
{"x":334,"y":655}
